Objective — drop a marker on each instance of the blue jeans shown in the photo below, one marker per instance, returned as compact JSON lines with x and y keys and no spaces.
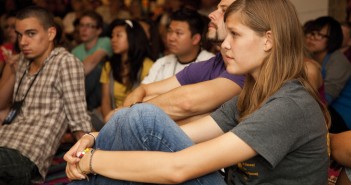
{"x":144,"y":127}
{"x":15,"y":169}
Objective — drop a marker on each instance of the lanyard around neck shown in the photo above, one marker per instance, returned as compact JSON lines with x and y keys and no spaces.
{"x":30,"y":86}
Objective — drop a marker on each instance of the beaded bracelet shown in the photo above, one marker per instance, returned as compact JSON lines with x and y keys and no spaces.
{"x":85,"y":151}
{"x":91,"y":162}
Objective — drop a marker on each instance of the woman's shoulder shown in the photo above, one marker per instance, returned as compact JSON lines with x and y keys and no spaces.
{"x":339,"y":56}
{"x":107,"y":66}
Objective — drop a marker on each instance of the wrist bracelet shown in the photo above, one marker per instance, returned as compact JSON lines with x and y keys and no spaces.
{"x":91,"y":161}
{"x":85,"y":151}
{"x":90,"y":134}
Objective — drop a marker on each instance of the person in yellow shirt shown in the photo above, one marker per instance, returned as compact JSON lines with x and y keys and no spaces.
{"x":128,"y":66}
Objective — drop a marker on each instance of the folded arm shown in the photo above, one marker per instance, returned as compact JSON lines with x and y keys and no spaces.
{"x":147,"y":91}
{"x":196,"y":99}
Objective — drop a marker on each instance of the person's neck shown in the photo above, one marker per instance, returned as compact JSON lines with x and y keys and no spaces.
{"x":37,"y":63}
{"x":90,"y":44}
{"x":319,"y":57}
{"x":191,"y":57}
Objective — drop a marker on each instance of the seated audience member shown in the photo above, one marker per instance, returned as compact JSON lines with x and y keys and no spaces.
{"x":313,"y":69}
{"x":78,"y":9}
{"x":184,"y":37}
{"x":323,"y":40}
{"x":260,"y":135}
{"x":46,"y":85}
{"x":136,"y":10}
{"x":91,"y":52}
{"x":128,"y":66}
{"x":153,"y":36}
{"x":114,"y":9}
{"x":346,"y":41}
{"x":198,"y":89}
{"x":169,"y":6}
{"x":8,"y":46}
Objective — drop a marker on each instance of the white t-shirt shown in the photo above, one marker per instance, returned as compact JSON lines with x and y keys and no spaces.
{"x":168,"y":66}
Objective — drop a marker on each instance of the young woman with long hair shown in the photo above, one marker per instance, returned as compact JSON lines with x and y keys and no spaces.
{"x":274,"y":132}
{"x":129,"y":64}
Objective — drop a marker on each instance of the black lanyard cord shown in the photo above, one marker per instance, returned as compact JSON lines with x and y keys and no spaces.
{"x":20,"y":82}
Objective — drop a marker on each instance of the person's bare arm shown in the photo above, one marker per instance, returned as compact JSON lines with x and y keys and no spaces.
{"x":172,"y":168}
{"x":7,"y":81}
{"x":147,"y":91}
{"x":2,"y":65}
{"x":314,"y":74}
{"x":106,"y":100}
{"x":340,"y":148}
{"x":92,"y":60}
{"x":196,"y":99}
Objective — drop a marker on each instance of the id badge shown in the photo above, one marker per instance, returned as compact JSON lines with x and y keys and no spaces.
{"x":15,"y":108}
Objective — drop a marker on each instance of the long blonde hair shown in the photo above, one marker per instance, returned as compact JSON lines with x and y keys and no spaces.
{"x":285,"y":60}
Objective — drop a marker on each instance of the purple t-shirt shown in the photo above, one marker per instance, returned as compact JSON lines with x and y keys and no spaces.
{"x":207,"y":70}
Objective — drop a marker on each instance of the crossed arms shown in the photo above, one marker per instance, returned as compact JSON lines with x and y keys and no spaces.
{"x":185,"y":102}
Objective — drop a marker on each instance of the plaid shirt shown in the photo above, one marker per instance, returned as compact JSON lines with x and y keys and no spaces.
{"x":55,"y":101}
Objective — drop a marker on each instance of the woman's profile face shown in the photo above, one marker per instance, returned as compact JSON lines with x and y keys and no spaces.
{"x":119,"y":40}
{"x":316,"y":41}
{"x":243,"y":50}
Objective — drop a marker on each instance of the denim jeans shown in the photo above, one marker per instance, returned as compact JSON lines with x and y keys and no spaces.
{"x":144,"y":127}
{"x":15,"y":169}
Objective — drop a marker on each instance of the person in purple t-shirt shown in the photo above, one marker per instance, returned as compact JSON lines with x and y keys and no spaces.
{"x":199,"y":88}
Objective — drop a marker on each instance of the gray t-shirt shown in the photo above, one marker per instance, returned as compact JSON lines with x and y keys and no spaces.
{"x":289,"y":134}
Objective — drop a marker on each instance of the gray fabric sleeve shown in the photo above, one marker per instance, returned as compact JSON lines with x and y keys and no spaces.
{"x":338,"y":72}
{"x":225,"y":116}
{"x":273,"y":129}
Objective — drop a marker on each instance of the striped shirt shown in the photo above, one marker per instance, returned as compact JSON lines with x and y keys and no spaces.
{"x":55,"y":102}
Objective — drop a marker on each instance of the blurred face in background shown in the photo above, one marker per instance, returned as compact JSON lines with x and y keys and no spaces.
{"x":316,"y":41}
{"x":179,"y":38}
{"x":88,"y":30}
{"x":119,"y":40}
{"x":216,"y":28}
{"x":9,"y":30}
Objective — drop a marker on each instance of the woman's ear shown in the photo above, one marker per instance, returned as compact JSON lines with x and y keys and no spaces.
{"x":269,"y":41}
